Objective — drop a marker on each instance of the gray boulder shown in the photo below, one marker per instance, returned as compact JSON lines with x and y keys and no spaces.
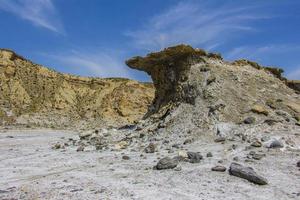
{"x":194,"y":157}
{"x":247,"y":173}
{"x":166,"y":163}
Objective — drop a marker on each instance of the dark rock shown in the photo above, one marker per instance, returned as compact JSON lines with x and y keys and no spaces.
{"x":9,"y":136}
{"x":151,"y":148}
{"x":128,"y":127}
{"x":220,"y":139}
{"x":125,"y":157}
{"x":275,"y":144}
{"x":80,"y":148}
{"x":188,"y":141}
{"x":258,"y":156}
{"x":249,"y":120}
{"x":177,"y":146}
{"x":209,"y":155}
{"x":256,"y":144}
{"x":271,"y":122}
{"x":298,"y":163}
{"x":247,"y":173}
{"x":218,"y":168}
{"x":57,"y":146}
{"x":194,"y":157}
{"x":166,"y":163}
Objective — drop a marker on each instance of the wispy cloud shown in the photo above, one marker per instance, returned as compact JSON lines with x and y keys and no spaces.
{"x":255,"y":52}
{"x":39,"y":12}
{"x":98,"y":63}
{"x":294,"y":74}
{"x":196,"y":23}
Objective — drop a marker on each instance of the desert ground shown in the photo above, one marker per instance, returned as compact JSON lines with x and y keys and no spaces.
{"x":31,"y":169}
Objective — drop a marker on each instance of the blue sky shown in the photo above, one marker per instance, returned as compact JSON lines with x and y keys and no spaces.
{"x":94,"y":37}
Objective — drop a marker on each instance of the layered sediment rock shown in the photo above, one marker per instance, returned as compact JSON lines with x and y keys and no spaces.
{"x":209,"y":89}
{"x":33,"y":94}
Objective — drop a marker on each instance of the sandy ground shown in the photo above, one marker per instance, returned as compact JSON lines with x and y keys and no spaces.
{"x":30,"y":169}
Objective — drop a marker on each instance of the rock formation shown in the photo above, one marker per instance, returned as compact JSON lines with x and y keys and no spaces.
{"x":206,"y":90}
{"x":33,"y":94}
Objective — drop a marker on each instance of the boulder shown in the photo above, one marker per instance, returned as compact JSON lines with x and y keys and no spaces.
{"x":194,"y":157}
{"x":166,"y":163}
{"x":247,"y":173}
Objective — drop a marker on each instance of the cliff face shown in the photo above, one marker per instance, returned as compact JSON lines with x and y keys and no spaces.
{"x":203,"y":88}
{"x":33,"y":94}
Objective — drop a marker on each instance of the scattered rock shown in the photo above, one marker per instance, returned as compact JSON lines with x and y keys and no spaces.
{"x":80,"y":148}
{"x":151,"y":148}
{"x":209,"y":155}
{"x":188,"y":141}
{"x":256,"y":144}
{"x":220,"y":139}
{"x":260,"y":110}
{"x":57,"y":146}
{"x":121,"y":145}
{"x":247,"y":173}
{"x":194,"y":157}
{"x":218,"y":168}
{"x":249,"y":120}
{"x":85,"y":134}
{"x":178,"y":168}
{"x":274,"y":144}
{"x":257,"y":156}
{"x":183,"y":154}
{"x":125,"y":157}
{"x":166,"y":163}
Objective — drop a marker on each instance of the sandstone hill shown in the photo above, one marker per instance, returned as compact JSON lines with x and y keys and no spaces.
{"x":38,"y":96}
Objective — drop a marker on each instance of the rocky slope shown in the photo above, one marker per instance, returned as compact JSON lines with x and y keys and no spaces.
{"x":37,"y":96}
{"x":202,"y":88}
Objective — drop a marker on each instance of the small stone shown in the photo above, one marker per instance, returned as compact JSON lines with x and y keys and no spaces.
{"x":177,"y":146}
{"x":80,"y":148}
{"x":218,"y":168}
{"x":220,"y":139}
{"x":247,"y":173}
{"x":178,"y":168}
{"x":57,"y":146}
{"x":166,"y":163}
{"x":298,"y":163}
{"x":209,"y":155}
{"x":256,"y":144}
{"x":85,"y":134}
{"x":125,"y":157}
{"x":183,"y":154}
{"x":236,"y":158}
{"x":275,"y":144}
{"x":188,"y":141}
{"x":249,"y":120}
{"x":9,"y":136}
{"x":260,"y":110}
{"x":151,"y":148}
{"x":194,"y":157}
{"x":258,"y":156}
{"x":121,"y":145}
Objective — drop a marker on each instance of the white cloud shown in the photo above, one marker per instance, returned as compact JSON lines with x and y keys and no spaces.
{"x":39,"y":12}
{"x":294,"y":74}
{"x":195,"y":23}
{"x":254,"y":52}
{"x":92,"y":63}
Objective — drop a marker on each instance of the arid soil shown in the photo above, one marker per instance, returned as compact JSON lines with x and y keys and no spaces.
{"x":30,"y":169}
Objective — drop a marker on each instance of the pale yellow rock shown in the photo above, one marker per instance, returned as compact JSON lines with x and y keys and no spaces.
{"x":259,"y":109}
{"x":183,"y":154}
{"x":121,"y":145}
